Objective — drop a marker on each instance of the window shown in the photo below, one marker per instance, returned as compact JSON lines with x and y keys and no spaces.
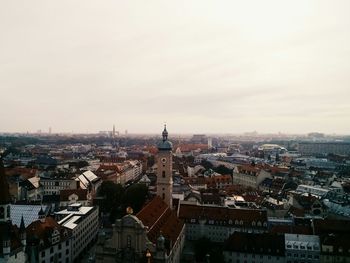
{"x":128,"y":241}
{"x":51,"y":250}
{"x":163,"y":174}
{"x":2,"y":213}
{"x":43,"y":254}
{"x":163,"y":196}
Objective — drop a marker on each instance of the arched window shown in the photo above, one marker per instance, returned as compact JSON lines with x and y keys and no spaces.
{"x":128,"y":241}
{"x":163,"y":174}
{"x":2,"y":213}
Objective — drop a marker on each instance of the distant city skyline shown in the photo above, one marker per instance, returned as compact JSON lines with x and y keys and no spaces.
{"x":201,"y":66}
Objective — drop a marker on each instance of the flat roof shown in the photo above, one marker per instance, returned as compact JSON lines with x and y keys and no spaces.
{"x":70,"y":221}
{"x":82,"y":211}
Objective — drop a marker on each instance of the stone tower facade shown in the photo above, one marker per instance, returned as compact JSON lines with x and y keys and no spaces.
{"x":165,"y":169}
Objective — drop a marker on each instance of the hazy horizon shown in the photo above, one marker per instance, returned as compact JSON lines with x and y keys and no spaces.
{"x":201,"y":66}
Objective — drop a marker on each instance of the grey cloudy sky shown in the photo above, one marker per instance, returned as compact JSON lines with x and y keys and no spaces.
{"x":200,"y":65}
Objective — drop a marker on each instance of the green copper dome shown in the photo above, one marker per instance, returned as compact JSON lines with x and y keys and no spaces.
{"x":165,"y":144}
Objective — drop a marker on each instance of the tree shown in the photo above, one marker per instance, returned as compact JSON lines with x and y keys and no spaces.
{"x":201,"y":248}
{"x":135,"y":196}
{"x":207,"y":165}
{"x":150,"y":161}
{"x":204,"y":246}
{"x":222,"y":169}
{"x":113,"y":194}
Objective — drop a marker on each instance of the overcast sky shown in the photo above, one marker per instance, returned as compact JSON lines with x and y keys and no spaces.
{"x":199,"y":65}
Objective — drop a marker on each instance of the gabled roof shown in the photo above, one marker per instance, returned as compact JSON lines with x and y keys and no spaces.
{"x":81,"y":193}
{"x":87,"y":178}
{"x":38,"y":230}
{"x":29,"y":212}
{"x":265,"y":243}
{"x":222,"y":214}
{"x":334,"y":226}
{"x":158,"y":217}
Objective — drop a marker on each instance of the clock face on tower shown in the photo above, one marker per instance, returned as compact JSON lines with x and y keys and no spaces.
{"x":163,"y":160}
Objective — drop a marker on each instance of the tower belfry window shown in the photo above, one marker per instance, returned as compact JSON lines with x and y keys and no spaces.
{"x":163,"y":174}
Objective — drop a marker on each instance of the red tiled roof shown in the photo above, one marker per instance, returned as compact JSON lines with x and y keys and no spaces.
{"x":195,"y":180}
{"x":296,"y":211}
{"x":26,"y":173}
{"x":323,"y":226}
{"x":191,"y":147}
{"x":81,"y":193}
{"x":43,"y":230}
{"x":222,"y":214}
{"x":158,"y":217}
{"x":212,"y":181}
{"x":301,"y":230}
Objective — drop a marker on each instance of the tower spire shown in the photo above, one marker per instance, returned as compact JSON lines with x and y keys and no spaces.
{"x":165,"y":133}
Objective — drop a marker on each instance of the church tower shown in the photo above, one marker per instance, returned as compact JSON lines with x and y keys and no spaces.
{"x":165,"y":169}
